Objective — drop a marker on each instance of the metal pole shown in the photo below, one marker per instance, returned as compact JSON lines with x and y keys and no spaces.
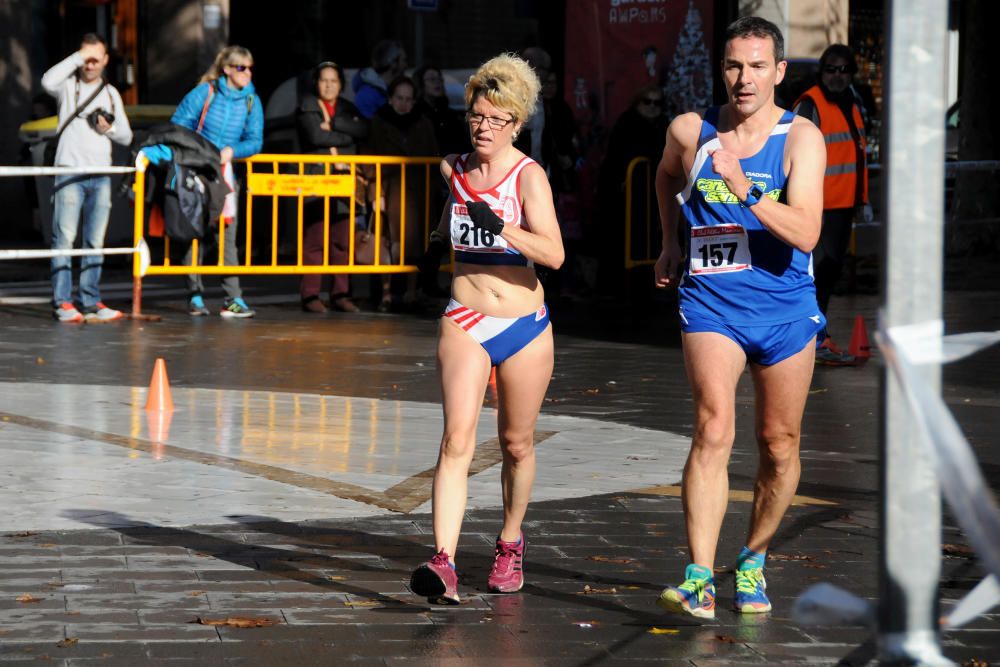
{"x":910,"y":569}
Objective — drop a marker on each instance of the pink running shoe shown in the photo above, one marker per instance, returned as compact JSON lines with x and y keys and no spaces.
{"x":436,"y":580}
{"x":507,"y":575}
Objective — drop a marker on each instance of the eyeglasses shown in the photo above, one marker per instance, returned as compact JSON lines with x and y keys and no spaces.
{"x":652,"y":101}
{"x":242,"y":68}
{"x":495,"y":123}
{"x":837,"y":69}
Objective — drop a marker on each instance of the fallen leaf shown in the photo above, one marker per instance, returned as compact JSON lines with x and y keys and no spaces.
{"x":69,"y":641}
{"x":726,"y":639}
{"x":237,"y":621}
{"x":587,"y":590}
{"x":592,"y":391}
{"x":663,"y":631}
{"x":605,"y":559}
{"x":26,"y":533}
{"x":975,"y":662}
{"x":361,"y":603}
{"x":336,"y":577}
{"x":40,"y":361}
{"x":790,"y":557}
{"x":28,"y":597}
{"x":957,"y":550}
{"x":195,"y":594}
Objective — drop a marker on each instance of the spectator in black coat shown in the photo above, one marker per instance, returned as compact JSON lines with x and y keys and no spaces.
{"x":328,"y":125}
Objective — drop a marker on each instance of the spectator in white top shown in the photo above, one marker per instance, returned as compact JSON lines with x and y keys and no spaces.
{"x":91,"y":116}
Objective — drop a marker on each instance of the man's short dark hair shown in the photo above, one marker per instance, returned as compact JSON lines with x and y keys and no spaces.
{"x":841,"y":51}
{"x":755,"y":26}
{"x":385,"y":53}
{"x":93,"y":38}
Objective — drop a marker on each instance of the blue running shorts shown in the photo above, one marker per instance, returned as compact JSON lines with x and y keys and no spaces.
{"x":763,"y":345}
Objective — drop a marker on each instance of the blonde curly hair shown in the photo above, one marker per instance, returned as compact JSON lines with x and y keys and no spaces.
{"x":508,"y":82}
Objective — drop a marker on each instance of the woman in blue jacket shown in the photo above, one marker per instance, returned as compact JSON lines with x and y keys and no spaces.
{"x":224,"y":109}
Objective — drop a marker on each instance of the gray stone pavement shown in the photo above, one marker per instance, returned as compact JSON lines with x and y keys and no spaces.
{"x":315,"y":540}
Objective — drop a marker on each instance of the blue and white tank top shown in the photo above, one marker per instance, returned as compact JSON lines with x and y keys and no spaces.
{"x":478,"y":246}
{"x":736,"y":269}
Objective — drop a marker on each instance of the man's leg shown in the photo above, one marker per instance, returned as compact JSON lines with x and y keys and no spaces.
{"x":714,"y":364}
{"x":781,"y":391}
{"x":96,"y":211}
{"x":65,"y":223}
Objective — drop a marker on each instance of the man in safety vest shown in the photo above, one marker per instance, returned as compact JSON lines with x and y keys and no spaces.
{"x":832,"y":106}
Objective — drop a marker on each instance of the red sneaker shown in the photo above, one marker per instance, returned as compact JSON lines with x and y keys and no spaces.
{"x":507,"y":575}
{"x":436,"y":580}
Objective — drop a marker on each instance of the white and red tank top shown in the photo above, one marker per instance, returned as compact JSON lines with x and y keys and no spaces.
{"x":478,"y":246}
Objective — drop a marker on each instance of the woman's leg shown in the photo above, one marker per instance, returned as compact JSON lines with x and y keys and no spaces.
{"x":312,"y":253}
{"x":340,"y":232}
{"x":521,"y":384}
{"x":464,"y":369}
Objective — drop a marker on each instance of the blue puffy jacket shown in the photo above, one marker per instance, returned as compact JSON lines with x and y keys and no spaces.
{"x":235,"y":118}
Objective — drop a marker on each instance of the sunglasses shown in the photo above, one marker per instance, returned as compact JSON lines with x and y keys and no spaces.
{"x":837,"y":69}
{"x":652,"y":101}
{"x":242,"y":68}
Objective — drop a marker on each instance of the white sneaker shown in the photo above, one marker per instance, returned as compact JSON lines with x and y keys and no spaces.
{"x":67,"y":313}
{"x":102,"y":313}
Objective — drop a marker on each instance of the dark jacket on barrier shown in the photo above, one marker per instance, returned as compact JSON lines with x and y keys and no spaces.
{"x":186,"y":181}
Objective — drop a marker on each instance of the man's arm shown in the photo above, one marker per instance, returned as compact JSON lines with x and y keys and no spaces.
{"x":121,"y":131}
{"x":56,"y":76}
{"x":798,"y":222}
{"x":670,"y":179}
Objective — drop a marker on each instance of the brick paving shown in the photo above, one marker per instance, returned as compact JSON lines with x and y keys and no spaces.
{"x":334,"y":591}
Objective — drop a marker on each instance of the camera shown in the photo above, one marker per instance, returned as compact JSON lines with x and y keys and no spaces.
{"x":99,"y":113}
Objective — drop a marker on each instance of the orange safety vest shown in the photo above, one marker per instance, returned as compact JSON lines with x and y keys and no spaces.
{"x":840,"y":184}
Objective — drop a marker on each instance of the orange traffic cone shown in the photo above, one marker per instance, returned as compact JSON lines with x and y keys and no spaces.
{"x":159,"y":389}
{"x":859,"y":346}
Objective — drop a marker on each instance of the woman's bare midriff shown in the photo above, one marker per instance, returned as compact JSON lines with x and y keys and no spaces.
{"x":498,"y":291}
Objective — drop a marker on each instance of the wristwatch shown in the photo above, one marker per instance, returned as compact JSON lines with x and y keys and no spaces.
{"x":753,"y":195}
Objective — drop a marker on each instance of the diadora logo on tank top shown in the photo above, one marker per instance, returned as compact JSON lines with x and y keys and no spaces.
{"x":509,"y":209}
{"x":714,"y":191}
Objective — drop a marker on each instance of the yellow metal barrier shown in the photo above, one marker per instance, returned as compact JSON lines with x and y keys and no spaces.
{"x":300,"y":177}
{"x":651,"y":250}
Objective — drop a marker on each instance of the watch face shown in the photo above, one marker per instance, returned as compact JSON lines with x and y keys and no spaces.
{"x":756,"y":192}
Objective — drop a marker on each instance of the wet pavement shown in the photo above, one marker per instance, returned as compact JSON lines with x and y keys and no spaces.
{"x":288,"y":491}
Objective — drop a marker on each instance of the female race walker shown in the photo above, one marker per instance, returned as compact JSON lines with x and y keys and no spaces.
{"x":502,"y":221}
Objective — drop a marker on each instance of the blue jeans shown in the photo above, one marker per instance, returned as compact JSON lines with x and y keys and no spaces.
{"x":79,"y":197}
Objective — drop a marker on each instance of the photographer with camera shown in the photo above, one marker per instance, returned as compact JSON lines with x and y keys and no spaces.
{"x":91,"y":116}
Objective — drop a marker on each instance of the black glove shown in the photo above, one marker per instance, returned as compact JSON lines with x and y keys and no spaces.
{"x":483,"y":217}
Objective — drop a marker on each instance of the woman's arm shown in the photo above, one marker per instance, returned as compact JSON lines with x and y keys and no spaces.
{"x":542,"y":243}
{"x":252,"y":138}
{"x":189,"y":110}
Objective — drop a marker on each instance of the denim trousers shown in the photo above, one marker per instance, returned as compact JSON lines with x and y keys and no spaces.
{"x":79,"y":198}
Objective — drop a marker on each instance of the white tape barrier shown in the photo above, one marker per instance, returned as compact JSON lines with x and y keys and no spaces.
{"x":140,"y":248}
{"x":962,"y":483}
{"x":64,"y":171}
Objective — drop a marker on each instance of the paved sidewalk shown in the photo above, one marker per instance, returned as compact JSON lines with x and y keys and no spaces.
{"x":289,"y":492}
